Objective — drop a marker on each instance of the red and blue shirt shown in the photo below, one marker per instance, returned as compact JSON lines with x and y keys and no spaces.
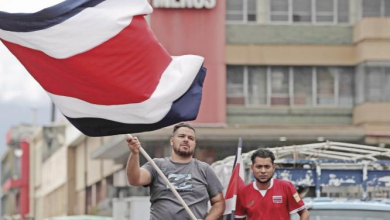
{"x":279,"y":201}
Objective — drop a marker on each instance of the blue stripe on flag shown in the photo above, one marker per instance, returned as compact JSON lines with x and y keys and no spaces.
{"x":185,"y":108}
{"x":27,"y":22}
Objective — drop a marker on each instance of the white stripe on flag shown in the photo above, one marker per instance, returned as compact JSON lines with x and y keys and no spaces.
{"x":230,"y":205}
{"x":82,"y":32}
{"x":173,"y":84}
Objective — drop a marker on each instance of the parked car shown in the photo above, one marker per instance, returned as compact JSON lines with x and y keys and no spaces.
{"x":339,"y":209}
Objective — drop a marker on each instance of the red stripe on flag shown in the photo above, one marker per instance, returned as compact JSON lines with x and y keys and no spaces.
{"x":125,"y":69}
{"x":235,"y":183}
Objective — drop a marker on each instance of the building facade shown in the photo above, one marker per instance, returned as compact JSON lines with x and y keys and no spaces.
{"x":64,"y":179}
{"x":280,"y":72}
{"x":15,"y":175}
{"x":311,"y":63}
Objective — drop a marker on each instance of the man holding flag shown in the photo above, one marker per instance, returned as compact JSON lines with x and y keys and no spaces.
{"x":194,"y":180}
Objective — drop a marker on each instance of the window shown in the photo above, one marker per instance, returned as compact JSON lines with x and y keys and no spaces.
{"x":387,"y":8}
{"x":252,"y":10}
{"x":303,"y":86}
{"x":257,"y":86}
{"x":309,"y":11}
{"x":279,"y":86}
{"x":279,"y":10}
{"x":376,"y":8}
{"x":326,"y":86}
{"x":377,"y":84}
{"x":345,"y":85}
{"x":234,"y":10}
{"x":302,"y":11}
{"x":342,"y":11}
{"x":325,"y":11}
{"x":241,"y":10}
{"x":372,"y":8}
{"x":292,"y":86}
{"x":235,"y":85}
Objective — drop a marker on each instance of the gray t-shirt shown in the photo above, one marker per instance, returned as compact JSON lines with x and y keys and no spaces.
{"x":195,"y":181}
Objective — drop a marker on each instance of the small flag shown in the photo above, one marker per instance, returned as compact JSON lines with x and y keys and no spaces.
{"x":102,"y":66}
{"x":235,"y":183}
{"x":277,"y":199}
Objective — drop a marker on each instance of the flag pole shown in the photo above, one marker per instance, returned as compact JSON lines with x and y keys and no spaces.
{"x":160,"y":173}
{"x":232,"y":215}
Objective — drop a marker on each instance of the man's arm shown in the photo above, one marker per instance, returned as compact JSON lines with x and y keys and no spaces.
{"x":135,"y":175}
{"x":304,"y":214}
{"x":217,"y":207}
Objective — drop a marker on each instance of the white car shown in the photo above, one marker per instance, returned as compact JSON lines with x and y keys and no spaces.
{"x":336,"y":209}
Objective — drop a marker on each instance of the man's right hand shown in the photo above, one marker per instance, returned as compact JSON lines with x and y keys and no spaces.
{"x":133,"y":144}
{"x":136,"y":176}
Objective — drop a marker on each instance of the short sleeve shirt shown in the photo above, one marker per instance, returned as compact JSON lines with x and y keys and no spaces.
{"x":279,"y":201}
{"x":195,"y":181}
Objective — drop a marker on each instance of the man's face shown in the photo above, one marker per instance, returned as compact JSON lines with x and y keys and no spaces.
{"x":183,"y":142}
{"x":263,"y":169}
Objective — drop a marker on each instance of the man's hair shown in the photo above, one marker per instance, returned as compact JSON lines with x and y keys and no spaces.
{"x":181,"y":125}
{"x":263,"y":153}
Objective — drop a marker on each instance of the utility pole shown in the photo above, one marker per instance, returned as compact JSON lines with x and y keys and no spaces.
{"x":53,"y":112}
{"x":34,"y":115}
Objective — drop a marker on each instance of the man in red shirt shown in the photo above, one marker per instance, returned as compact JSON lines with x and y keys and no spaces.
{"x":267,"y":198}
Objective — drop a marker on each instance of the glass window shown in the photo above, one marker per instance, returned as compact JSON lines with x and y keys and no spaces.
{"x":377,"y":84}
{"x":372,"y":8}
{"x":387,"y":8}
{"x":279,"y":10}
{"x":234,"y":10}
{"x":235,"y":85}
{"x":343,"y":11}
{"x":325,"y":10}
{"x":257,"y":85}
{"x":301,"y":11}
{"x":373,"y":83}
{"x":252,"y":10}
{"x":325,"y":86}
{"x":386,"y":85}
{"x":241,"y":10}
{"x":303,"y":86}
{"x":280,"y":86}
{"x":346,"y":80}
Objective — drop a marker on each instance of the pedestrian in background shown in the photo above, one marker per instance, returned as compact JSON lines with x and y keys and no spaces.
{"x":267,"y":198}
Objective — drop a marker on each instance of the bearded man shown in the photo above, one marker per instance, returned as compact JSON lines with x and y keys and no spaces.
{"x":267,"y":198}
{"x":194,"y":180}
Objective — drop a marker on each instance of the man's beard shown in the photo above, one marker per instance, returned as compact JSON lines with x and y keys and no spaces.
{"x":266,"y":181}
{"x":183,"y":153}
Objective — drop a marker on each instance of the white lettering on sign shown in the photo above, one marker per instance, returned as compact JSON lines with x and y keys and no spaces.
{"x":184,"y":4}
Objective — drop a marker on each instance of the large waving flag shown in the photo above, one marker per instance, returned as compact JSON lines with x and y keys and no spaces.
{"x":235,"y":183}
{"x":103,"y":67}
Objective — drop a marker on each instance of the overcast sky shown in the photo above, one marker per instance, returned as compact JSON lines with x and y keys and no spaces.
{"x":19,"y":92}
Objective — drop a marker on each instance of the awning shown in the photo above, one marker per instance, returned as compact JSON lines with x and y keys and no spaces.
{"x":252,"y":135}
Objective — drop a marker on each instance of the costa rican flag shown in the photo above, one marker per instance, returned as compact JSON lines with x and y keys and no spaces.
{"x":235,"y":183}
{"x":103,"y":67}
